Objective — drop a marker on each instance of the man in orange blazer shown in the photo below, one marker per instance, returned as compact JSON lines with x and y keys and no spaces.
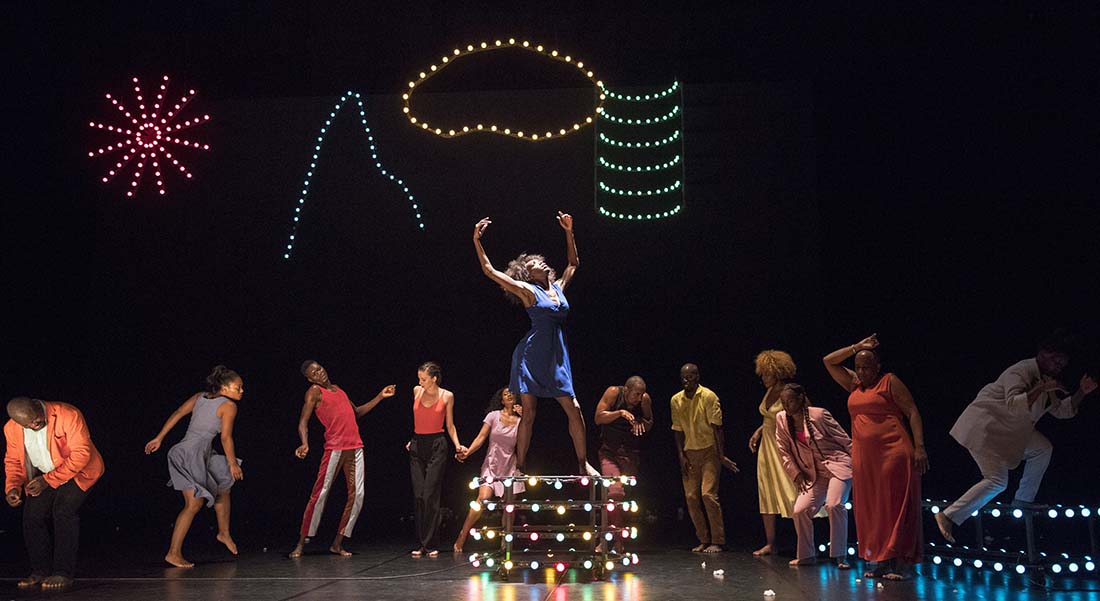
{"x":50,"y":457}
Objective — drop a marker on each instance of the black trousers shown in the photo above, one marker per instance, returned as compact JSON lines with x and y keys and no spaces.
{"x":428,"y":460}
{"x":56,"y":554}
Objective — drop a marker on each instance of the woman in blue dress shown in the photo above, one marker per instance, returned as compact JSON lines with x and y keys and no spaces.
{"x":540,"y":363}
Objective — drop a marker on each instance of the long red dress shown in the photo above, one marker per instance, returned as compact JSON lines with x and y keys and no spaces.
{"x":885,"y":484}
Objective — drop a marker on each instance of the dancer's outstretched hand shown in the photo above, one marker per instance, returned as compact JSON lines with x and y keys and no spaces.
{"x":388,"y":391}
{"x":1087,"y":384}
{"x":480,"y":228}
{"x":301,"y":451}
{"x":152,"y":446}
{"x":565,"y":220}
{"x":730,"y":465}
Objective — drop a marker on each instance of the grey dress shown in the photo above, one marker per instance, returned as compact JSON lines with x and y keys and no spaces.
{"x":192,"y":462}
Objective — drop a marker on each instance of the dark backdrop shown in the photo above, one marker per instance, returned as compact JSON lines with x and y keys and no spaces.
{"x":926,"y":177}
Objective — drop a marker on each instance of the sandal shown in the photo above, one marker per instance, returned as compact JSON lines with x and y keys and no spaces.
{"x":417,"y":553}
{"x":433,"y":553}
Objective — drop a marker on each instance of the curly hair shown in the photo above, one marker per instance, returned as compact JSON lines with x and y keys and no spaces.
{"x":497,"y":401}
{"x":776,"y":363}
{"x":517,"y":270}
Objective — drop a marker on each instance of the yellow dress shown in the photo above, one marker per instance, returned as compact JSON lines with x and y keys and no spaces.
{"x":777,"y":493}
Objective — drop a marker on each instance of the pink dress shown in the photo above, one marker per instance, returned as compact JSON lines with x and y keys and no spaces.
{"x":500,"y":458}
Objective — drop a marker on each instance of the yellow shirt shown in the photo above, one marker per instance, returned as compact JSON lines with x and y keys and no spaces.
{"x":695,"y":415}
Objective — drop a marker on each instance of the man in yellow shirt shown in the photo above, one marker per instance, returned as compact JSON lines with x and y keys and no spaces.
{"x":697,"y":423}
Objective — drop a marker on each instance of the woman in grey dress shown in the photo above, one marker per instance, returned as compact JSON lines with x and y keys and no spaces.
{"x":199,"y":473}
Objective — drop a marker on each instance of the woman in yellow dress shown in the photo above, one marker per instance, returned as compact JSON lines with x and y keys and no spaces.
{"x":776,"y":492}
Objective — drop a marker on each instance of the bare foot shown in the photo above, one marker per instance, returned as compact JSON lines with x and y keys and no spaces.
{"x":896,"y":576}
{"x":794,"y":563}
{"x":946,"y":526}
{"x":841,"y":563}
{"x":877,"y":571}
{"x":178,"y":561}
{"x":227,"y":540}
{"x":713,"y":549}
{"x":433,"y":553}
{"x":30,"y":581}
{"x":56,"y":583}
{"x":699,"y":548}
{"x":296,"y":553}
{"x":342,"y":552}
{"x":417,"y":553}
{"x":457,"y":548}
{"x":762,"y":551}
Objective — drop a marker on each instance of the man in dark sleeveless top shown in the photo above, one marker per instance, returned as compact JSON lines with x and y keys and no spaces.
{"x":625,"y":415}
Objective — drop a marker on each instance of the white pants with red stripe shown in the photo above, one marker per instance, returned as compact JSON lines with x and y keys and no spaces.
{"x":350,"y":462}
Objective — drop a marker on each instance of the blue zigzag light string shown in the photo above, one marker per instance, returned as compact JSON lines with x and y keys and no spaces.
{"x":317,"y":154}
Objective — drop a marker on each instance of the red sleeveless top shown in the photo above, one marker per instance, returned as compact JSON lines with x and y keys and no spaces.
{"x":338,"y":417}
{"x":428,"y":420}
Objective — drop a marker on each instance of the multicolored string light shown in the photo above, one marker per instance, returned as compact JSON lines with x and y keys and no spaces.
{"x":492,"y":128}
{"x":148,"y":135}
{"x":317,"y":155}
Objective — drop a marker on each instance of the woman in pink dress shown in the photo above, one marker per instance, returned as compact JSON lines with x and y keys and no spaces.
{"x":888,"y":460}
{"x":500,"y":427}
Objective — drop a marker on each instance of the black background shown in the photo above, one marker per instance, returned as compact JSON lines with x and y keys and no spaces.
{"x":926,"y":175}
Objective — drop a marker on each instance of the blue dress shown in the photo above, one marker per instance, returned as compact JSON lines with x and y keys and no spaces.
{"x":540,"y":363}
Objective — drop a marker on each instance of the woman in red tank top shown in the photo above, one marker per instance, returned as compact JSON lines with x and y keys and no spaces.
{"x":888,"y":460}
{"x":433,"y":412}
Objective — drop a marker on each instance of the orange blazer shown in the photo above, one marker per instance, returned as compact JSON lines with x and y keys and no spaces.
{"x":71,"y":449}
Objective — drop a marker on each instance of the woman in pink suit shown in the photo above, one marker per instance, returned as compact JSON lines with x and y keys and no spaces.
{"x":817,"y":455}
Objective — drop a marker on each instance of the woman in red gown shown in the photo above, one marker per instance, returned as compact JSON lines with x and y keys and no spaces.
{"x":888,"y":460}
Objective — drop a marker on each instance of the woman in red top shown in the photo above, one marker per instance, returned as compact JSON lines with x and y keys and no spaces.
{"x":887,"y":461}
{"x":433,"y":407}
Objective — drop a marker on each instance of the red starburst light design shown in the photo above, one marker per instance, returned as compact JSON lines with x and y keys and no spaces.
{"x":146,"y":140}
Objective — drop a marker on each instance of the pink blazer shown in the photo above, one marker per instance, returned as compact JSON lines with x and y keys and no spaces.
{"x":831,"y":439}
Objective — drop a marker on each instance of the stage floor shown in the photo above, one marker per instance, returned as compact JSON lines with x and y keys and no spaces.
{"x":387,"y":572}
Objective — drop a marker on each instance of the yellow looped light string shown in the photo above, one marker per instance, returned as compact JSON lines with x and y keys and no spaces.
{"x":511,"y":132}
